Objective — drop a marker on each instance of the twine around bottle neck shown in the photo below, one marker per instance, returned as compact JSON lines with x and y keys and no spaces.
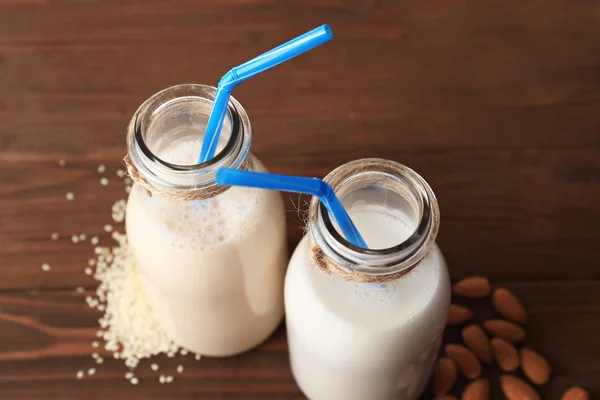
{"x":199,"y":194}
{"x":327,"y":265}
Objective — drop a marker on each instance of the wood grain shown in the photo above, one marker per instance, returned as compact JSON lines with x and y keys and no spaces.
{"x":496,"y":104}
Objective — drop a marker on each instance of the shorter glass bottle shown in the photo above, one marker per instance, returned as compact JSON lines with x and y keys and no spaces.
{"x":212,"y":259}
{"x":368,"y":323}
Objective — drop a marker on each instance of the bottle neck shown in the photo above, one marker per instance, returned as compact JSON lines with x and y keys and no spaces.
{"x":176,"y":117}
{"x":383,"y":191}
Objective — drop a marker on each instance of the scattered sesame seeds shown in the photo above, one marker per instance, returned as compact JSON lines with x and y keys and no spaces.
{"x":101,"y":168}
{"x":104,"y":181}
{"x":80,"y":374}
{"x":91,"y":371}
{"x":75,"y":239}
{"x":80,"y":289}
{"x":120,"y":173}
{"x":62,"y":162}
{"x":179,"y":369}
{"x":95,"y":240}
{"x":118,"y":210}
{"x":88,"y":271}
{"x":95,"y":344}
{"x":154,"y":367}
{"x":46,"y":267}
{"x":108,"y":228}
{"x":134,"y":381}
{"x":54,"y":236}
{"x":70,"y":196}
{"x":129,"y":375}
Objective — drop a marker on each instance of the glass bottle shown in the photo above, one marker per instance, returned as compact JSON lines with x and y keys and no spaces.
{"x":368,"y":323}
{"x":212,"y":259}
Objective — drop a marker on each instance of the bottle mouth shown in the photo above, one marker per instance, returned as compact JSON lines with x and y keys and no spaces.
{"x":384,"y":185}
{"x":181,"y":113}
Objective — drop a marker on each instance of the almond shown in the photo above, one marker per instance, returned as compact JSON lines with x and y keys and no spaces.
{"x":465,"y":360}
{"x":515,"y":389}
{"x":505,"y":330}
{"x":477,"y":390}
{"x":478,"y":342}
{"x":575,"y":393}
{"x":458,"y":315}
{"x":444,"y":376}
{"x":535,"y":366}
{"x":508,"y":305}
{"x":506,"y":355}
{"x":475,"y":287}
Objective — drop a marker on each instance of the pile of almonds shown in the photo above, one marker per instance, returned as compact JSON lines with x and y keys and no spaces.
{"x":506,"y":332}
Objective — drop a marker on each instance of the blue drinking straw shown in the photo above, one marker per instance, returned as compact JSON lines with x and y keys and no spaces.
{"x":297,"y":184}
{"x":238,"y":74}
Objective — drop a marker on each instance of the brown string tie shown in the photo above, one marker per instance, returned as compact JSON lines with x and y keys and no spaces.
{"x":199,"y":194}
{"x":326,"y":264}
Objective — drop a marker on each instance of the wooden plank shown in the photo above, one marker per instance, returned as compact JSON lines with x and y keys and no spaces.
{"x":45,"y":339}
{"x":512,"y":215}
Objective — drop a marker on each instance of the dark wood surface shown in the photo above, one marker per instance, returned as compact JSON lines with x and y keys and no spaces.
{"x":496,"y":104}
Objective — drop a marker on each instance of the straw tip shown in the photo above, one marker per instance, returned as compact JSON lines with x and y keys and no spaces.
{"x":328,"y":31}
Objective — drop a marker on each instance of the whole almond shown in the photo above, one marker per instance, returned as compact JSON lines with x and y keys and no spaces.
{"x":475,"y":287}
{"x":446,"y":397}
{"x":505,"y":354}
{"x":444,"y":376}
{"x":505,"y":330}
{"x":458,"y":315}
{"x":508,"y":305}
{"x":575,"y":393}
{"x":535,"y":366}
{"x":515,"y":389}
{"x":468,"y":365}
{"x":477,"y":390}
{"x":478,"y":342}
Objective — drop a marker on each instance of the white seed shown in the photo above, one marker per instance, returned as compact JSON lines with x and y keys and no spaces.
{"x":80,"y":289}
{"x":54,"y":236}
{"x":88,"y":271}
{"x":99,"y":360}
{"x":46,"y":267}
{"x":95,"y":240}
{"x":91,"y":371}
{"x":170,"y":355}
{"x":95,"y":355}
{"x":134,"y":381}
{"x":161,"y":379}
{"x":120,"y":173}
{"x":197,"y":357}
{"x":101,"y":168}
{"x":129,"y":375}
{"x":104,"y":181}
{"x":95,"y":344}
{"x":183,"y":352}
{"x":74,"y":239}
{"x":108,"y":228}
{"x":179,"y":369}
{"x":82,"y":237}
{"x":169,"y":379}
{"x":91,"y":262}
{"x":70,"y":196}
{"x":62,"y":162}
{"x":154,"y":367}
{"x":99,"y":334}
{"x":127,"y":189}
{"x":80,"y":374}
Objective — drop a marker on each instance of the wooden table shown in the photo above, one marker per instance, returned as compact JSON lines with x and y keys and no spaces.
{"x":496,"y":104}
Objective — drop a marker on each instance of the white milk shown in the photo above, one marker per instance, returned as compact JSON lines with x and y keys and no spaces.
{"x":214,"y":269}
{"x":365,"y":341}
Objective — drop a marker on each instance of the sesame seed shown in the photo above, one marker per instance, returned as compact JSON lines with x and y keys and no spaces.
{"x":91,"y":371}
{"x":101,"y":168}
{"x":197,"y":357}
{"x":104,"y":181}
{"x":74,"y":239}
{"x":129,"y":375}
{"x":54,"y":236}
{"x":80,"y":374}
{"x":82,"y":237}
{"x":88,"y":271}
{"x":169,"y":379}
{"x":70,"y":196}
{"x":134,"y":381}
{"x":161,"y":379}
{"x":91,"y":262}
{"x":46,"y":267}
{"x":95,"y":344}
{"x":120,"y":173}
{"x":95,"y":355}
{"x":95,"y":240}
{"x":80,"y":289}
{"x":108,"y":228}
{"x":127,"y":189}
{"x":183,"y":352}
{"x":62,"y":162}
{"x":99,"y":360}
{"x":179,"y":369}
{"x":170,"y":355}
{"x":154,"y":367}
